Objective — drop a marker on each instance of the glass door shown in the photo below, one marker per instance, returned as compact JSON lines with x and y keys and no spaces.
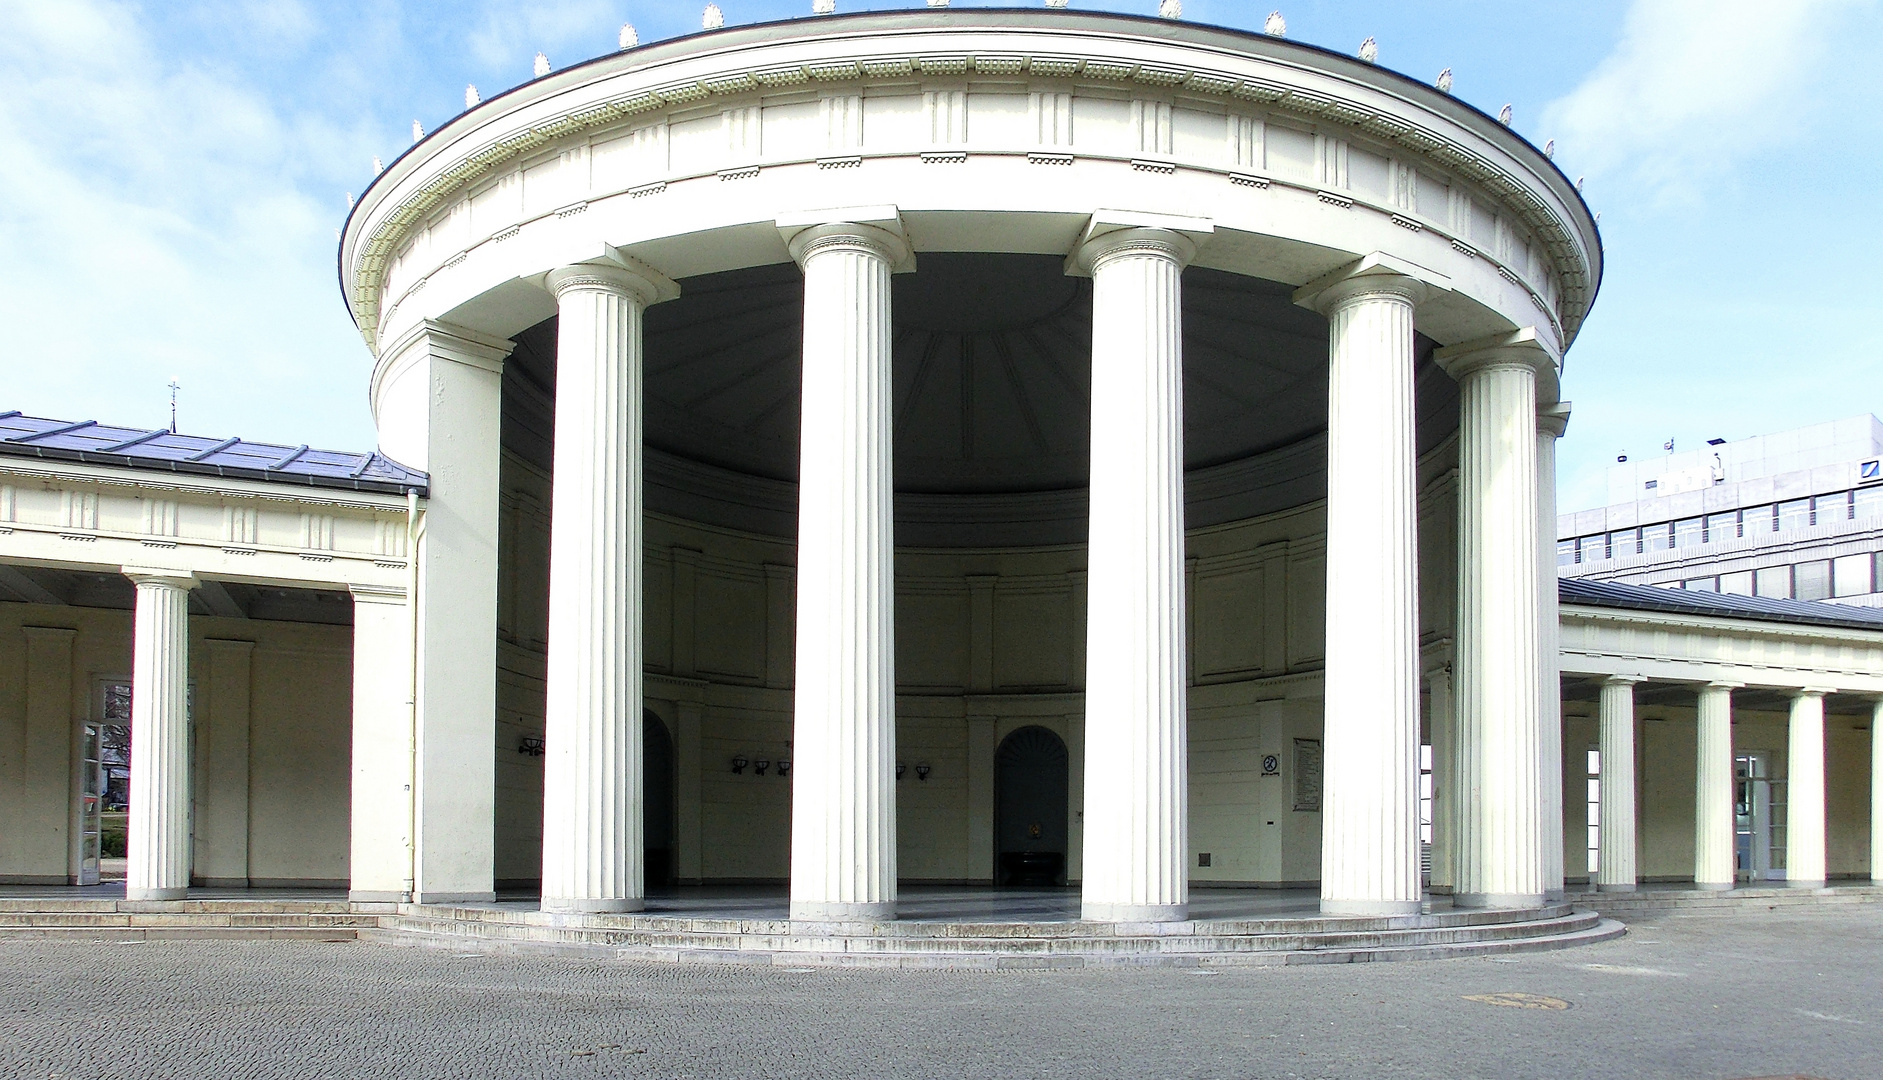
{"x":1759,"y":819}
{"x":91,"y":800}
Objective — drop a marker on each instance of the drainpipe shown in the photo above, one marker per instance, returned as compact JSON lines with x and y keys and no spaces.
{"x":414,"y":532}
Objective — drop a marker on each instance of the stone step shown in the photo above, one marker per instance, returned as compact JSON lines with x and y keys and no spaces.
{"x":978,"y":930}
{"x":424,"y":925}
{"x":1563,"y":932}
{"x":1745,"y":901}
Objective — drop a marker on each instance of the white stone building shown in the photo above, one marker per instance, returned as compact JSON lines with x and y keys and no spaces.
{"x":946,"y":446}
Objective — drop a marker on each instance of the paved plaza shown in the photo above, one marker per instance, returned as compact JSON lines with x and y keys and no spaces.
{"x":1713,"y":997}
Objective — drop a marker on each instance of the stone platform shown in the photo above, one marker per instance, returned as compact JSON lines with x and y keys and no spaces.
{"x":940,"y":928}
{"x":1684,"y":899}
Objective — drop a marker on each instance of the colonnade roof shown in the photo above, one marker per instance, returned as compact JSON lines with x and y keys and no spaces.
{"x":140,"y":448}
{"x":1615,"y":594}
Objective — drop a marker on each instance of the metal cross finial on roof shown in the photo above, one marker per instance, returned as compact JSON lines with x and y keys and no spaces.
{"x":173,"y":406}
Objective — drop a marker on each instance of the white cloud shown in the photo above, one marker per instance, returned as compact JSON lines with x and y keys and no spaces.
{"x":153,"y":223}
{"x":1695,"y":86}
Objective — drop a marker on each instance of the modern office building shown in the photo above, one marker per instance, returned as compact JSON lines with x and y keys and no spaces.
{"x":1795,"y":515}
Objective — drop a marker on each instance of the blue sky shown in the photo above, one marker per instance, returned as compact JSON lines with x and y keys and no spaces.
{"x":171,"y":176}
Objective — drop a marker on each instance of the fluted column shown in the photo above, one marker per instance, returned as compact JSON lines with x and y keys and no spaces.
{"x":1713,"y":825}
{"x":1615,"y":739}
{"x":592,"y":813}
{"x":1551,"y":422}
{"x":1370,"y":806}
{"x":158,"y":866}
{"x":1804,"y":792}
{"x":1501,"y":841}
{"x":1136,"y":746}
{"x":1876,"y":791}
{"x":1444,"y":781}
{"x":843,"y":823}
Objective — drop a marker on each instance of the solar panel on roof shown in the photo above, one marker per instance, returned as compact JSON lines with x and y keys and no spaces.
{"x":137,"y":448}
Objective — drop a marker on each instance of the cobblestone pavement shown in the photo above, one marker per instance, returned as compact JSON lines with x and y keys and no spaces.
{"x":1713,"y":997}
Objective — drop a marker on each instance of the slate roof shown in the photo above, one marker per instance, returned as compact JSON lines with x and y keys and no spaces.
{"x":1719,"y":605}
{"x":138,"y":448}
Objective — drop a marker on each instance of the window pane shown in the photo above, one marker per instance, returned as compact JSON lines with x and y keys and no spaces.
{"x":1812,"y":580}
{"x":1702,"y":584}
{"x":1625,"y":543}
{"x":1795,"y":514}
{"x":1867,"y":503}
{"x":1774,"y":581}
{"x":1850,"y":575}
{"x":1828,"y":508}
{"x":1758,"y":519}
{"x":1595,"y":763}
{"x":1565,"y":552}
{"x":1739,"y":584}
{"x":1687,"y":533}
{"x":1657,"y":538}
{"x":1592,"y":548}
{"x":1722,"y":527}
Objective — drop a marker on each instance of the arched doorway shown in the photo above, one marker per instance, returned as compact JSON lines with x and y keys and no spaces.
{"x":1030,"y":792}
{"x":657,"y":800}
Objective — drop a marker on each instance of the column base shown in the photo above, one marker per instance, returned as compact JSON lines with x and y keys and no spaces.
{"x":1713,"y":886}
{"x":810,"y":911}
{"x":1090,"y":911}
{"x":1615,"y":886}
{"x":454,"y":898}
{"x":1371,"y":907}
{"x":1789,"y":884}
{"x":378,"y":896}
{"x":1497,"y":900}
{"x":155,"y":894}
{"x":624,"y":905}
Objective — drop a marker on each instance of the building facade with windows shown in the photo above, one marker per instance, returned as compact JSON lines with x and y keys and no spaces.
{"x":944,"y":446}
{"x":1794,"y":515}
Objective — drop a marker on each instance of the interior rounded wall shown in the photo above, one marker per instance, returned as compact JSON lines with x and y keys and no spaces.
{"x":988,"y":640}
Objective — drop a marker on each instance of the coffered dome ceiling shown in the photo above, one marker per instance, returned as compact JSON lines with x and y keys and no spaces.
{"x":992,"y":376}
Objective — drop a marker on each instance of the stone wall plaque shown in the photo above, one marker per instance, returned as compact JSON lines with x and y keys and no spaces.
{"x":1308,"y":775}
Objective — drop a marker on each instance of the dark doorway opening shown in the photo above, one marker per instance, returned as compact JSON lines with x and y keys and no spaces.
{"x":657,"y":800}
{"x":1030,"y":794}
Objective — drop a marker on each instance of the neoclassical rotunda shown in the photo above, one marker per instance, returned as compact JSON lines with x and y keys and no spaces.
{"x":842,"y":395}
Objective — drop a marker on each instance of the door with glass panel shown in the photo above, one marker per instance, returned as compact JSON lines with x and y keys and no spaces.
{"x":1758,"y":819}
{"x":91,"y":802}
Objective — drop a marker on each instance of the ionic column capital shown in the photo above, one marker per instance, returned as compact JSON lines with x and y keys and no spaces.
{"x":1519,"y":349}
{"x":1375,"y":276}
{"x":1553,"y":420}
{"x":876,"y":230}
{"x":623,"y":275}
{"x":1111,"y":234}
{"x":172,"y":578}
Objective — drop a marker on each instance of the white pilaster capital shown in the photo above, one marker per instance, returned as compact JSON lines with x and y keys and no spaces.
{"x":161,"y":576}
{"x":434,"y":340}
{"x":1720,"y":684}
{"x":1553,"y":420}
{"x":377,"y":594}
{"x":1111,"y":233}
{"x":876,"y":229}
{"x":1375,"y":275}
{"x":1517,"y":349}
{"x":620,"y":273}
